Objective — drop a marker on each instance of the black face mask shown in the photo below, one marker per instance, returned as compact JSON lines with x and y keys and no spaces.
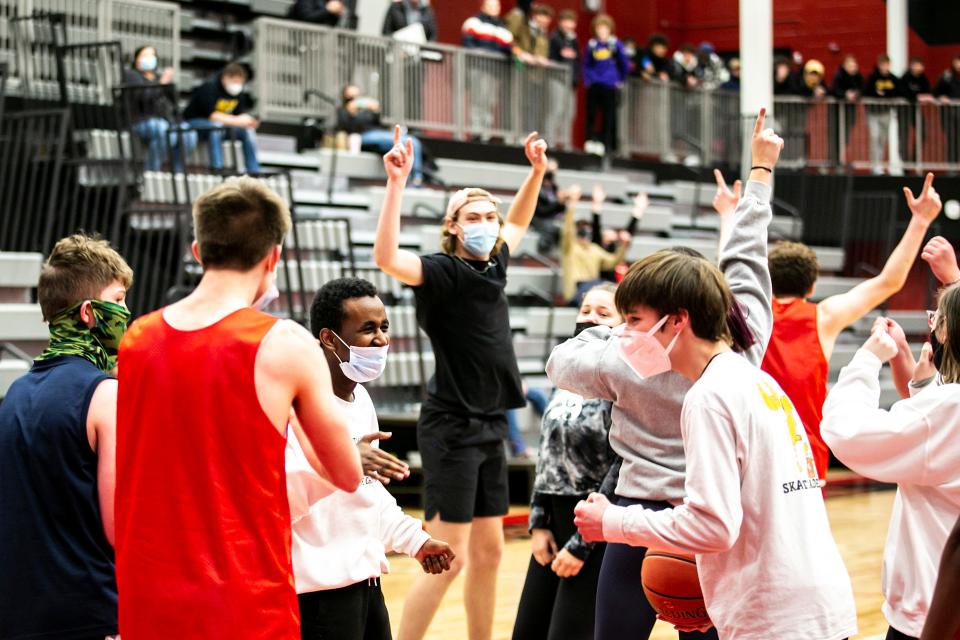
{"x":937,"y":350}
{"x":583,"y":326}
{"x":583,"y":232}
{"x":548,"y":177}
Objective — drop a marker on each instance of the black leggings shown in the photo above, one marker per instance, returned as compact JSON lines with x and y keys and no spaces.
{"x":602,"y":102}
{"x":622,"y":607}
{"x":893,"y":634}
{"x":356,"y":612}
{"x":553,"y":608}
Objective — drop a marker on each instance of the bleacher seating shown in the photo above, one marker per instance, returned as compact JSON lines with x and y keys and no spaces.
{"x":21,"y":324}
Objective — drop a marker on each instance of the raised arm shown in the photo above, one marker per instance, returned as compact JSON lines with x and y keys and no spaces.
{"x":102,"y":433}
{"x":583,"y":364}
{"x":525,"y":202}
{"x":725,"y":204}
{"x":837,"y":312}
{"x":902,"y":365}
{"x":569,"y":229}
{"x":598,"y":197}
{"x":403,"y":265}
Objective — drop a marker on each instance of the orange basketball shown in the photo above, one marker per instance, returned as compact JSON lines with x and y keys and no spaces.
{"x":672,"y":586}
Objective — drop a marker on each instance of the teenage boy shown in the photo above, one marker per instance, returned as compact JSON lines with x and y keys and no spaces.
{"x":753,"y":512}
{"x":462,"y":307}
{"x":207,"y":386}
{"x":804,"y":333}
{"x":57,"y":443}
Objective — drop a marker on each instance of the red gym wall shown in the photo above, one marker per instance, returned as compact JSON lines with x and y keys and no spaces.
{"x":809,"y":26}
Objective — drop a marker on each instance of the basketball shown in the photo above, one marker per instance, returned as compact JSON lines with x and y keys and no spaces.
{"x":672,"y":587}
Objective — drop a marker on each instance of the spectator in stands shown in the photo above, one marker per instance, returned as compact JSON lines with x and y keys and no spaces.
{"x":783,"y":78}
{"x":329,"y":13}
{"x":488,"y":32}
{"x":581,"y":259}
{"x":811,"y":83}
{"x":685,"y":61}
{"x":361,"y":115}
{"x":915,"y":84}
{"x":632,"y":52}
{"x":881,"y":85}
{"x":551,"y":203}
{"x":220,"y":106}
{"x":611,"y":239}
{"x":154,"y":110}
{"x":947,"y":89}
{"x":848,"y":86}
{"x":537,"y":399}
{"x":564,"y":49}
{"x":655,"y":61}
{"x":710,"y":71}
{"x":403,"y":13}
{"x":531,"y":46}
{"x":733,"y":82}
{"x":57,"y":445}
{"x":605,"y":69}
{"x":804,"y":333}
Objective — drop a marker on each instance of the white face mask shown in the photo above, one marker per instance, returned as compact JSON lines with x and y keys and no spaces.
{"x":233,"y":88}
{"x":643,"y":352}
{"x":365,"y":363}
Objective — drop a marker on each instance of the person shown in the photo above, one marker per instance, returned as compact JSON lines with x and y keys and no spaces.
{"x":916,"y":85}
{"x":462,"y":307}
{"x":361,"y":115}
{"x":531,"y":47}
{"x":485,"y":31}
{"x":804,"y":333}
{"x":912,"y":444}
{"x":645,"y":429}
{"x":848,"y":87}
{"x":753,"y":513}
{"x":655,"y":62}
{"x":948,"y":90}
{"x":340,"y":542}
{"x":917,"y":89}
{"x":403,"y":13}
{"x":152,"y":106}
{"x":733,"y":82}
{"x":882,"y":85}
{"x":685,"y":66}
{"x":220,"y":105}
{"x":611,"y":239}
{"x":328,"y":13}
{"x":783,"y":77}
{"x":537,"y":400}
{"x":710,"y":71}
{"x":564,"y":48}
{"x":57,"y":441}
{"x":605,"y":69}
{"x":559,"y":593}
{"x":206,"y":390}
{"x":581,"y":258}
{"x":943,"y":619}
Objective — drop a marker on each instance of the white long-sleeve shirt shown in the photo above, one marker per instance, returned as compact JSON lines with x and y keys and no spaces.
{"x":917,"y":445}
{"x":342,"y":538}
{"x":754,"y":514}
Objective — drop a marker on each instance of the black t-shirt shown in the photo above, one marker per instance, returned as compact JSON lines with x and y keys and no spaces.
{"x":211,"y":97}
{"x":462,"y":307}
{"x":148,"y":98}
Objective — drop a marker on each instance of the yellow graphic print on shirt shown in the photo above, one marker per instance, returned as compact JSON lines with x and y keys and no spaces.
{"x":226,"y":105}
{"x":803,"y":456}
{"x":601,"y":54}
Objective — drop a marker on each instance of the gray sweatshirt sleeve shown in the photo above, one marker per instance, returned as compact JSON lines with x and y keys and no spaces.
{"x":743,"y":260}
{"x":588,"y":365}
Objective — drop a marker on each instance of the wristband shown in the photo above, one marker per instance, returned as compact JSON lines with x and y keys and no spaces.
{"x":764,"y":168}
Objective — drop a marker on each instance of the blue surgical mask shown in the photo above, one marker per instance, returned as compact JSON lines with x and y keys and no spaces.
{"x":479,"y":239}
{"x":365,"y":363}
{"x":148,"y":63}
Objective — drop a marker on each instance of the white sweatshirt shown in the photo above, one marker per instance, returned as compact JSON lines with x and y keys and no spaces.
{"x":341,"y":538}
{"x":754,"y":514}
{"x":917,"y":445}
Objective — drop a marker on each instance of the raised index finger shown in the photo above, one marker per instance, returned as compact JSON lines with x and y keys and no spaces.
{"x":719,"y":177}
{"x":530,"y":138}
{"x":758,"y":127}
{"x":927,"y":183}
{"x":396,"y":134}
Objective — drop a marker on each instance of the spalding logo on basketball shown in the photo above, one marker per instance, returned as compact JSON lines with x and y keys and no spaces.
{"x":672,"y":586}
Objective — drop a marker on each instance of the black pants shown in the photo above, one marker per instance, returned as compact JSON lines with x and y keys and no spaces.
{"x":553,"y":608}
{"x":893,"y":634}
{"x":602,"y":102}
{"x":357,"y":612}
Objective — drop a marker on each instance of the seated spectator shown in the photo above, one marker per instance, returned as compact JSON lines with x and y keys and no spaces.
{"x":330,"y":13}
{"x":488,"y":32}
{"x":221,"y":104}
{"x":361,"y":115}
{"x":685,"y":61}
{"x":710,"y":70}
{"x":403,"y":13}
{"x":551,"y":202}
{"x":733,"y":83}
{"x":154,"y":111}
{"x":538,"y":400}
{"x":581,"y":259}
{"x":655,"y":62}
{"x":609,"y":238}
{"x":605,"y":69}
{"x":915,"y":84}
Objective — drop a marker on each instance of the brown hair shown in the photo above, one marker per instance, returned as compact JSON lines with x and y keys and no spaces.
{"x":78,"y":269}
{"x":602,"y":18}
{"x":234,"y":69}
{"x":238,"y":222}
{"x":668,"y":281}
{"x":567,"y":14}
{"x":541,"y":10}
{"x":949,"y":308}
{"x":793,"y":269}
{"x":448,"y":241}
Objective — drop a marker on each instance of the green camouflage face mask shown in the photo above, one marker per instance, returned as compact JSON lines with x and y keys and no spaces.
{"x":70,"y":335}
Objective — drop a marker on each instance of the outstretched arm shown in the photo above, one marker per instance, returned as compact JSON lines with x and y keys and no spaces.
{"x":725,"y":204}
{"x":403,"y":265}
{"x":943,"y":619}
{"x":837,"y":312}
{"x":525,"y":202}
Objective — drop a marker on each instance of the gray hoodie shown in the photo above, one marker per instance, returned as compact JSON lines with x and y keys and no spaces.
{"x":646,"y":413}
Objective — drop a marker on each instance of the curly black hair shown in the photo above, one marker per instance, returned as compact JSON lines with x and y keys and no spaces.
{"x":326,"y":312}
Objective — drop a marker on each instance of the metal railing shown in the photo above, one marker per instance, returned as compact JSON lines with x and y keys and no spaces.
{"x":443,"y":88}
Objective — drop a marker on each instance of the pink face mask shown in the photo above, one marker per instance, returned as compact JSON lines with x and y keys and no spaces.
{"x":643,"y":352}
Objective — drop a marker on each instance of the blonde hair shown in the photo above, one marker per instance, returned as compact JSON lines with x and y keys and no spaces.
{"x":79,"y":268}
{"x":448,"y":241}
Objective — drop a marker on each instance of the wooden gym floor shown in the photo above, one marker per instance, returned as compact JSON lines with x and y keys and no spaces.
{"x":859,"y":520}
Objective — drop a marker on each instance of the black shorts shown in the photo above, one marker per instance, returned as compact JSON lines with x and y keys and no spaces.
{"x":462,"y":481}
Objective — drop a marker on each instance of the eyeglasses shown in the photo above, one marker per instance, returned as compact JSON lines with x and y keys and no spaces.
{"x":933,"y":319}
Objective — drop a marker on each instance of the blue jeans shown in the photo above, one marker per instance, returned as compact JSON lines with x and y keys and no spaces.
{"x":214,"y":139}
{"x":539,"y":400}
{"x":154,"y":132}
{"x":382,"y":140}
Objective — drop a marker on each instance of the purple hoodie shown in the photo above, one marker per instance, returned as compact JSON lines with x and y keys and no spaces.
{"x":605,"y":63}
